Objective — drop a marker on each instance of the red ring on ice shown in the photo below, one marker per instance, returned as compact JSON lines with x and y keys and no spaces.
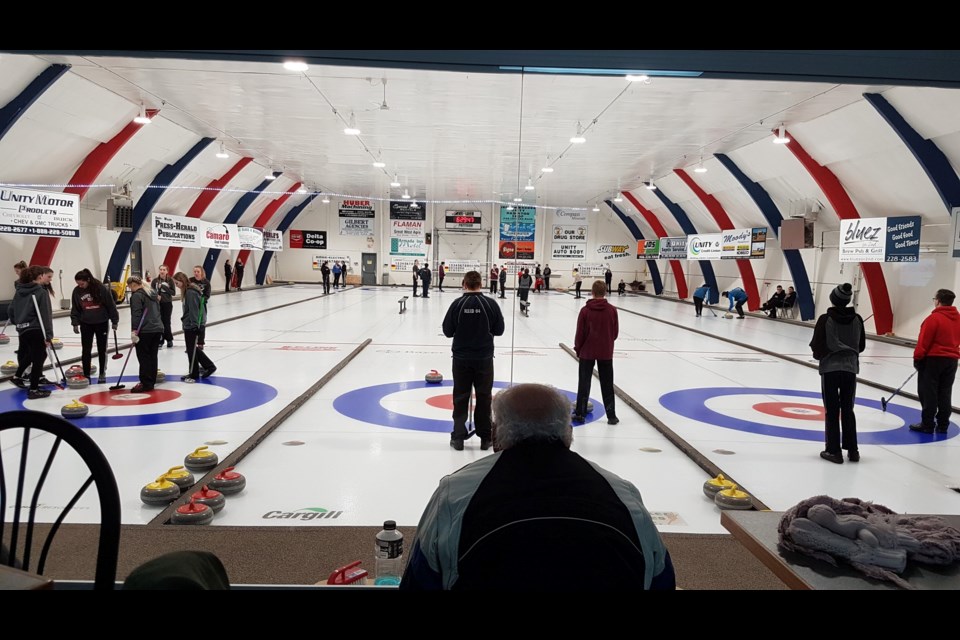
{"x":127,"y":398}
{"x":793,"y":410}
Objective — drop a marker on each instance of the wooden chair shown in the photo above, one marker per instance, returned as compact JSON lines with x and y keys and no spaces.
{"x":25,"y":431}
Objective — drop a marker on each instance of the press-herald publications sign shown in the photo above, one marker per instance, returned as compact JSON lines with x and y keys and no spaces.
{"x":250,"y":238}
{"x":272,"y":240}
{"x":300,"y":239}
{"x":220,"y":236}
{"x":177,"y":231}
{"x":673,"y":248}
{"x":880,"y":239}
{"x":39,"y":213}
{"x":356,"y":217}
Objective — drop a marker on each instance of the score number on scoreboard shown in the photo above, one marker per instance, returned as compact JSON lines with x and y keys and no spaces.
{"x":463,"y":220}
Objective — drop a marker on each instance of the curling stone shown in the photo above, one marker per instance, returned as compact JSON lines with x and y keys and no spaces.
{"x":728,"y":316}
{"x":4,"y":338}
{"x":192,"y":513}
{"x":75,"y":409}
{"x":56,"y":343}
{"x":434,"y":377}
{"x":201,"y":459}
{"x":733,"y":499}
{"x":573,"y":406}
{"x":8,"y":368}
{"x":161,"y":376}
{"x":78,"y":382}
{"x":161,"y":491}
{"x":210,"y":497}
{"x":77,"y":370}
{"x":714,"y":485}
{"x":181,"y":477}
{"x":228,"y":482}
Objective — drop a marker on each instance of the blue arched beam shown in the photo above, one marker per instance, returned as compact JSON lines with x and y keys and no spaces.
{"x":145,"y":205}
{"x":705,"y":267}
{"x":638,"y":235}
{"x":931,"y":159}
{"x":213,"y":255}
{"x":792,"y":256}
{"x":284,"y":225}
{"x":10,"y":113}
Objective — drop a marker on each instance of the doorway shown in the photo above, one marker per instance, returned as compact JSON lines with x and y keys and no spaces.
{"x":368,"y":269}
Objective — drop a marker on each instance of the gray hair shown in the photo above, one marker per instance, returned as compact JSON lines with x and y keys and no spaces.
{"x":531,"y":412}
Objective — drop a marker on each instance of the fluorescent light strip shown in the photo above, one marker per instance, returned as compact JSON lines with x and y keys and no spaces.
{"x":665,"y":73}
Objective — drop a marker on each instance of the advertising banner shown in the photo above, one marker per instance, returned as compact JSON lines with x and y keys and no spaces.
{"x":895,"y":239}
{"x":519,"y":225}
{"x":220,"y":236}
{"x":510,"y":250}
{"x":407,"y":210}
{"x":571,"y":251}
{"x":903,"y":239}
{"x":176,"y":231}
{"x":251,"y":238}
{"x":705,"y":246}
{"x":39,"y":213}
{"x":353,"y":226}
{"x":272,"y":240}
{"x":673,"y":248}
{"x":300,"y":239}
{"x":649,"y":249}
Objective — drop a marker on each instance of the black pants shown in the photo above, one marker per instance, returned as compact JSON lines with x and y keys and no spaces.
{"x":415,"y":294}
{"x":578,"y":285}
{"x":336,"y":280}
{"x":608,"y":282}
{"x":326,"y":284}
{"x":33,"y":350}
{"x":839,"y":390}
{"x":524,"y":292}
{"x":196,"y":358}
{"x":239,"y":281}
{"x":698,"y":304}
{"x":228,"y":276}
{"x":493,"y":287}
{"x":166,"y":310}
{"x":771,"y":307}
{"x":605,"y":368}
{"x":472,"y":377}
{"x":935,"y":387}
{"x":440,"y":284}
{"x":426,"y":289}
{"x":87,"y":332}
{"x":147,"y":349}
{"x":503,"y":288}
{"x":546,"y":282}
{"x":739,"y":307}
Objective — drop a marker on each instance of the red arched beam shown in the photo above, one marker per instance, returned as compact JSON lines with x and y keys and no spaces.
{"x":846,"y":210}
{"x":658,"y":229}
{"x":88,"y":171}
{"x":723,"y":221}
{"x":200,"y":205}
{"x":264,"y":217}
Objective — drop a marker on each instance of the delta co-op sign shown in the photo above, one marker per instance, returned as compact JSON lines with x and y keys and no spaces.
{"x":880,"y":239}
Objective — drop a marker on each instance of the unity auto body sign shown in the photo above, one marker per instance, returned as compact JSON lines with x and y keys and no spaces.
{"x":39,"y":213}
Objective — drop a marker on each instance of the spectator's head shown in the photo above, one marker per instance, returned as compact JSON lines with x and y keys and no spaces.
{"x":789,"y":289}
{"x":135,"y":282}
{"x":526,"y":271}
{"x":425,"y":265}
{"x":199,"y":273}
{"x":84,"y":278}
{"x":164,"y":270}
{"x":841,"y":295}
{"x":945,"y":297}
{"x":779,"y":288}
{"x":181,"y":280}
{"x":531,"y":413}
{"x":20,"y":266}
{"x":472,"y":281}
{"x":599,"y":288}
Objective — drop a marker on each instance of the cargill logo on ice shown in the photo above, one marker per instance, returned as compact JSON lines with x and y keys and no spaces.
{"x":308,"y":513}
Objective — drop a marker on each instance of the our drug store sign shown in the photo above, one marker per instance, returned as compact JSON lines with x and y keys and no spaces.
{"x":39,"y":213}
{"x":880,"y":239}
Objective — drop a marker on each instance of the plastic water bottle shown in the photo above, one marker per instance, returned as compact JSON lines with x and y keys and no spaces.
{"x":388,"y":555}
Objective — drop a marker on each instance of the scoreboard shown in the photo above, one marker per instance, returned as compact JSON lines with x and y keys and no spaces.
{"x":462,"y":220}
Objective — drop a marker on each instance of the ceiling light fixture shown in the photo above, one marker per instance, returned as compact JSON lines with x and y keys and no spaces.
{"x":351,"y":128}
{"x":396,"y":181}
{"x":578,"y":139}
{"x":595,"y":208}
{"x":518,"y":199}
{"x":222,"y":154}
{"x":781,"y":135}
{"x":406,"y":195}
{"x":326,"y":199}
{"x":649,"y":185}
{"x":301,"y":190}
{"x":142,"y":118}
{"x":379,"y":165}
{"x":414,"y":205}
{"x":295,"y":65}
{"x":270,"y":175}
{"x":509,"y":207}
{"x":529,"y":186}
{"x":616,"y":196}
{"x":700,"y":168}
{"x":547,"y":169}
{"x":640,"y":77}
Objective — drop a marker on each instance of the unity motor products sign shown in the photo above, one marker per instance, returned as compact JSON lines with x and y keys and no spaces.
{"x":39,"y":213}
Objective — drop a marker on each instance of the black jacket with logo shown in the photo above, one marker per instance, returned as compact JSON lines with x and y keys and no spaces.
{"x":472,"y":321}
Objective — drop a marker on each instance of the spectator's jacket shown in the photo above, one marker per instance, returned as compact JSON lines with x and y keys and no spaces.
{"x":426,"y":275}
{"x":165,"y":288}
{"x":597,"y":328}
{"x":838,"y":340}
{"x":503,"y":276}
{"x":790,"y":299}
{"x":939,"y":334}
{"x":192,"y":317}
{"x":499,"y":523}
{"x":472,"y":321}
{"x":84,"y":310}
